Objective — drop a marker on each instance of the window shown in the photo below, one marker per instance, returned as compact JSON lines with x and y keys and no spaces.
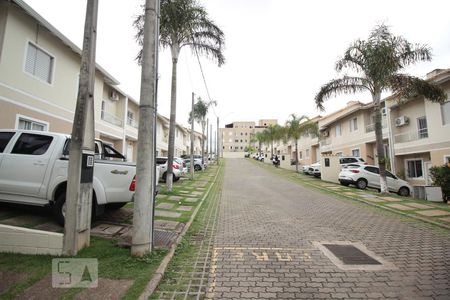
{"x":301,"y":155}
{"x":39,"y":63}
{"x":372,"y":170}
{"x":307,"y":153}
{"x":446,"y":159}
{"x":414,"y":168}
{"x":130,"y":117}
{"x":30,"y":124}
{"x":338,"y":130}
{"x":32,"y":144}
{"x":353,"y":124}
{"x":355,"y":152}
{"x":236,"y":141}
{"x":4,"y":139}
{"x":422,"y":127}
{"x":445,"y":112}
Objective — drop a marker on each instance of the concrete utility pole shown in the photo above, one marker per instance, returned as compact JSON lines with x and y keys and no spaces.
{"x":210,"y":140}
{"x":81,"y":158}
{"x":207,"y":137}
{"x":218,"y":141}
{"x":145,"y":165}
{"x":191,"y":169}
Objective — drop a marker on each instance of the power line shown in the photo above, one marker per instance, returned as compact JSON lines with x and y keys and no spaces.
{"x":204,"y":79}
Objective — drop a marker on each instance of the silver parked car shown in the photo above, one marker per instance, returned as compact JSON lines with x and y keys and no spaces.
{"x":369,"y":176}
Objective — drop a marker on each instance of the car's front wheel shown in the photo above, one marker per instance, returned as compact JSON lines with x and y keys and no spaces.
{"x":197,"y":168}
{"x":403,"y":191}
{"x":361,"y":184}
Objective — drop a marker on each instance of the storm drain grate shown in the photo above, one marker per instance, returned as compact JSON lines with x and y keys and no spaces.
{"x":163,"y":239}
{"x":350,"y":255}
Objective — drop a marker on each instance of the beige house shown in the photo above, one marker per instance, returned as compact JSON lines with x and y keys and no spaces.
{"x":237,"y":136}
{"x":308,"y":147}
{"x":351,"y":132}
{"x":39,"y":70}
{"x":421,"y":132}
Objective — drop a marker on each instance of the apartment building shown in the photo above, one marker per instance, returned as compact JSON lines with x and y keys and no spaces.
{"x":39,"y":71}
{"x":421,"y":132}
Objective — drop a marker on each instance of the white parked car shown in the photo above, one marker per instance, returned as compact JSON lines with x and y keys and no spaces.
{"x":344,"y":161}
{"x":33,"y":171}
{"x":369,"y":176}
{"x":305,"y":169}
{"x":315,"y":170}
{"x":176,"y":169}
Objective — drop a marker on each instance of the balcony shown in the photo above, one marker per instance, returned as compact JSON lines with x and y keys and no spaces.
{"x":371,"y":127}
{"x":132,"y":122}
{"x":110,"y":118}
{"x":411,"y":136}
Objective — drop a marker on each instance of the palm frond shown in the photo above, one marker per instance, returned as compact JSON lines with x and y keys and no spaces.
{"x":405,"y":86}
{"x":345,"y":85}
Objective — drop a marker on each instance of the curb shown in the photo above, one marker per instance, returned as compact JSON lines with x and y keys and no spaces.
{"x":156,"y":279}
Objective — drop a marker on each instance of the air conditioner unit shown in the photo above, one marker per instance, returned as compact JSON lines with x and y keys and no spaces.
{"x":113,"y":95}
{"x":325,"y":133}
{"x":400,"y":121}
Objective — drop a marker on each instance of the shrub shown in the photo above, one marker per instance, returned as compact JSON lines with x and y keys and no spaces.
{"x":441,"y":177}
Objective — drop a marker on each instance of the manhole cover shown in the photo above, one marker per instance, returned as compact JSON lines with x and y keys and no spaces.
{"x":163,"y":239}
{"x":350,"y":255}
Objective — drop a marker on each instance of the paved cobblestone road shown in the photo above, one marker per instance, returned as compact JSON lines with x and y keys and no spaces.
{"x":263,"y":244}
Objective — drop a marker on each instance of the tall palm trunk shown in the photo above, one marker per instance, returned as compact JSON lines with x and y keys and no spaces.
{"x":296,"y":156}
{"x":173,"y":111}
{"x":379,"y":142}
{"x":271,"y":149}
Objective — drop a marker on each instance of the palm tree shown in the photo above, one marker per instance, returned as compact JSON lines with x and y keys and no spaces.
{"x":272,"y":133}
{"x":184,"y":23}
{"x":295,"y":128}
{"x":200,"y":112}
{"x":379,"y":61}
{"x":260,"y":137}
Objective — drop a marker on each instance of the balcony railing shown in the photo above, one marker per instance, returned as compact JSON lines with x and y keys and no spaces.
{"x":371,"y":127}
{"x":411,"y":136}
{"x":110,"y":118}
{"x":132,"y":122}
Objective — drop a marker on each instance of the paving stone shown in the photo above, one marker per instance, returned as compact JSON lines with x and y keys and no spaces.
{"x":170,"y":214}
{"x":106,"y":229}
{"x":184,"y":208}
{"x":367,"y":196}
{"x":175,"y":198}
{"x":165,"y":205}
{"x":42,"y":290}
{"x":445,"y":219}
{"x":390,"y":199}
{"x":107,"y":289}
{"x":191,"y":200}
{"x":8,"y":279}
{"x":349,"y":193}
{"x":376,"y":200}
{"x":196,"y":193}
{"x":433,"y":213}
{"x":164,"y":224}
{"x":399,"y":207}
{"x":418,"y":205}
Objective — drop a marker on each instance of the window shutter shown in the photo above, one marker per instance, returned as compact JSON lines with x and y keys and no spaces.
{"x":31,"y":59}
{"x":44,"y":66}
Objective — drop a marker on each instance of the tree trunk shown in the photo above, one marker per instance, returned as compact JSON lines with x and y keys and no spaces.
{"x":145,"y":166}
{"x":379,"y":142}
{"x":173,"y":112}
{"x":296,"y":156}
{"x":271,"y":149}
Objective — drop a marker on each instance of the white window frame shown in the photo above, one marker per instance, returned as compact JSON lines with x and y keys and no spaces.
{"x":307,"y":153}
{"x":445,"y":159}
{"x":336,"y":131}
{"x":352,"y":127}
{"x":359,"y":151}
{"x":53,"y":68}
{"x":406,"y":168}
{"x":33,"y":120}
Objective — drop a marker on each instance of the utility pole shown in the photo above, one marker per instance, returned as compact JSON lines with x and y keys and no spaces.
{"x":145,"y":165}
{"x":210,"y":140}
{"x":218,"y":141}
{"x":207,"y":137}
{"x":191,"y":168}
{"x":81,"y":158}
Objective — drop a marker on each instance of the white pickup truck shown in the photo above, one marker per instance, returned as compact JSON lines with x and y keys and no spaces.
{"x":33,"y":171}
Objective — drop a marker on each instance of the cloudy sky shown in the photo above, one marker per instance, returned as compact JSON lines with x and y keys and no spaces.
{"x":278,"y":52}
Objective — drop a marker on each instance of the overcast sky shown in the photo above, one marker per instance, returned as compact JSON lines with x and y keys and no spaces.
{"x":278,"y":52}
